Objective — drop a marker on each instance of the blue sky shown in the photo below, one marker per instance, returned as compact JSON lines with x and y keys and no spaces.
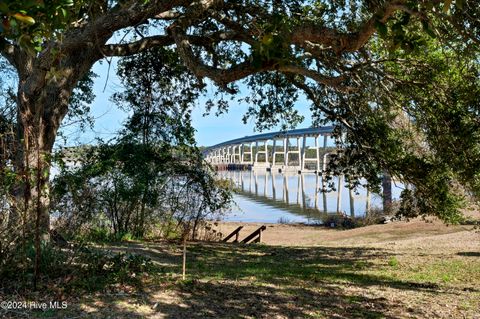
{"x":210,"y":129}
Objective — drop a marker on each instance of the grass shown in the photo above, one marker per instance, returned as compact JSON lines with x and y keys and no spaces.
{"x":259,"y":281}
{"x":452,"y":271}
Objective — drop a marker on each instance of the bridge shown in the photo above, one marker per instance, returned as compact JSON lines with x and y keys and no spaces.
{"x":275,"y":151}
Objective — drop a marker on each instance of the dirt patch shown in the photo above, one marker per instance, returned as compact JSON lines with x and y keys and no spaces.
{"x":304,"y":235}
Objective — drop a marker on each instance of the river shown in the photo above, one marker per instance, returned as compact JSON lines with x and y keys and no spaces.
{"x":267,"y":197}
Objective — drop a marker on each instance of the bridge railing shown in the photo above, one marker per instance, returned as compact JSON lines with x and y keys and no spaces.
{"x":264,"y":150}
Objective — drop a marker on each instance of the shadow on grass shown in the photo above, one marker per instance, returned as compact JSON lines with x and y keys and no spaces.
{"x":237,"y":281}
{"x":275,"y":264}
{"x":291,"y":265}
{"x":227,"y":300}
{"x":469,"y":253}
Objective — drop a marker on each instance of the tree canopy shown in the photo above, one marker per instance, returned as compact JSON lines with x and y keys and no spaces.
{"x":390,"y":75}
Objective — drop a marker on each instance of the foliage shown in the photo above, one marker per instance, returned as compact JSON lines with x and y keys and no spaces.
{"x":377,"y":70}
{"x":80,"y":268}
{"x":420,"y":125}
{"x":29,"y":22}
{"x":173,"y":182}
{"x":107,"y":268}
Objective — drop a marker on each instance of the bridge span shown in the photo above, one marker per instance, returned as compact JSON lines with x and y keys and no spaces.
{"x":275,"y":151}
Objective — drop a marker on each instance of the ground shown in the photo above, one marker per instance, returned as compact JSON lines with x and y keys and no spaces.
{"x":413,"y":269}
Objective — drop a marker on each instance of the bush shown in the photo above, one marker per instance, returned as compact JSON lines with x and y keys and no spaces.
{"x":98,"y":234}
{"x":105,"y":268}
{"x":21,"y":265}
{"x":373,"y":217}
{"x":103,"y":235}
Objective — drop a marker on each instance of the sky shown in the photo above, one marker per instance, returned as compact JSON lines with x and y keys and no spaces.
{"x":210,"y":130}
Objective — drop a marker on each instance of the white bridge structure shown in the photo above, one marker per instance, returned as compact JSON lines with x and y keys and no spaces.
{"x":275,"y":151}
{"x":291,"y":153}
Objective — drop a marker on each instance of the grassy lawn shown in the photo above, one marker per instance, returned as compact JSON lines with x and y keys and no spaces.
{"x":263,"y":281}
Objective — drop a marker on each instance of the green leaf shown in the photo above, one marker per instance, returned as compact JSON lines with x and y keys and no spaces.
{"x":381,"y":28}
{"x":24,"y":18}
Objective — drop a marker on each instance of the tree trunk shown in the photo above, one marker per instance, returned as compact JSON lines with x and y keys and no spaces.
{"x":387,"y":192}
{"x":33,"y":165}
{"x":44,"y":89}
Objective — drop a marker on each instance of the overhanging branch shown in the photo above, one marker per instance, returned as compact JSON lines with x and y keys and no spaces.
{"x":340,"y":41}
{"x":124,"y":49}
{"x":137,"y":46}
{"x":335,"y":81}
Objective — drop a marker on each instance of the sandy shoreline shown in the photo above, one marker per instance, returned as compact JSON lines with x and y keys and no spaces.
{"x":393,"y":233}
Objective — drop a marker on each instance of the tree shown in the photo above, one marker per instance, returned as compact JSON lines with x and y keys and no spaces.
{"x":105,"y":182}
{"x":315,"y":45}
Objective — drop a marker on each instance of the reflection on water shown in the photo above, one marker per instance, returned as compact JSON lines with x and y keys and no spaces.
{"x":271,"y":197}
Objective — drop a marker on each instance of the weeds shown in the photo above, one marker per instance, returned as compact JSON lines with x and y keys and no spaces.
{"x":81,"y":268}
{"x":393,"y":262}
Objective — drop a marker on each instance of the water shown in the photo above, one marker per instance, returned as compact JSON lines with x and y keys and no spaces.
{"x":268,"y":197}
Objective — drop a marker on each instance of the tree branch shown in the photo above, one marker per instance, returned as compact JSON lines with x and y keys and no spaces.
{"x":132,"y":13}
{"x":340,"y":41}
{"x":137,"y":46}
{"x":312,"y":96}
{"x":317,"y":77}
{"x":124,"y":49}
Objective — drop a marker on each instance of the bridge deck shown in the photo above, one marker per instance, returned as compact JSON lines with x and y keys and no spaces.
{"x":280,"y":134}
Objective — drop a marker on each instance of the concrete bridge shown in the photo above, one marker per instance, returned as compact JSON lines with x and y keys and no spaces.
{"x":275,"y":151}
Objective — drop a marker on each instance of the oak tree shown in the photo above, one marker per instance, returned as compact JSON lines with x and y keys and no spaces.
{"x":329,"y":49}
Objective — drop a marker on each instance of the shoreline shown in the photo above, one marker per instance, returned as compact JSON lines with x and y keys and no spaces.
{"x":299,"y":234}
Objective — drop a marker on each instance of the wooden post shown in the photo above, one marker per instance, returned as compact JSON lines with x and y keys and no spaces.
{"x":184,"y":262}
{"x":235,"y":233}
{"x":254,"y":234}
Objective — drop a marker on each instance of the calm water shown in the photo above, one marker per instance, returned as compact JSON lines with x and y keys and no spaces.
{"x":272,"y":198}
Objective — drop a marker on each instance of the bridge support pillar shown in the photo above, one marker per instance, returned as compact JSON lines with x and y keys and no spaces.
{"x":274,"y":152}
{"x":302,"y":153}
